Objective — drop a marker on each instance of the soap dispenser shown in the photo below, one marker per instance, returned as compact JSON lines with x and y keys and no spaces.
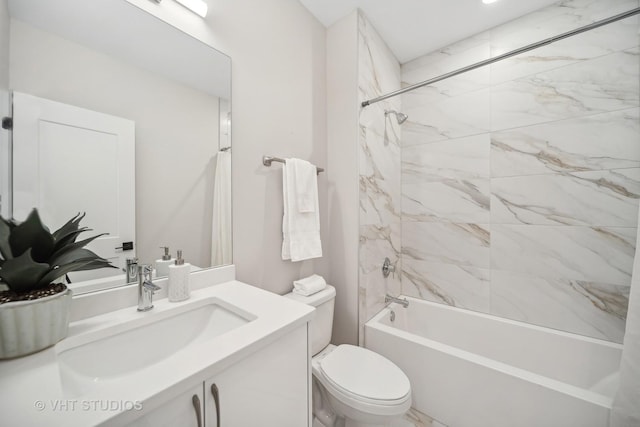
{"x":162,"y":265}
{"x":179,"y":279}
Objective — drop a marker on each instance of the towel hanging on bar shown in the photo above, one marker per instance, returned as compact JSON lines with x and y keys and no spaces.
{"x":300,"y":224}
{"x":267,"y":160}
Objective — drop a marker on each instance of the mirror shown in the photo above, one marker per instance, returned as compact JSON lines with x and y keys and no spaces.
{"x":111,"y":60}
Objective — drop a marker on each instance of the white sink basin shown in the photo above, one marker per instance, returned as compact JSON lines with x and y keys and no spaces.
{"x":132,"y":346}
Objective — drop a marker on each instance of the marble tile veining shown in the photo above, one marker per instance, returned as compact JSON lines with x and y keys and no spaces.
{"x":596,"y":142}
{"x":447,"y":242}
{"x":564,"y":16}
{"x":607,"y":83}
{"x":434,"y":116}
{"x":597,"y":198}
{"x":593,"y":254}
{"x":461,"y":158}
{"x":379,"y":173}
{"x":587,"y":308}
{"x":456,"y":200}
{"x":601,"y":41}
{"x":455,"y":285}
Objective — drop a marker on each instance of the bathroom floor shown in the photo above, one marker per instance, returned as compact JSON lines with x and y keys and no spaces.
{"x":415,"y":418}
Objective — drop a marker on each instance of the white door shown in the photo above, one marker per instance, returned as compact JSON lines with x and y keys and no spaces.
{"x":68,"y":160}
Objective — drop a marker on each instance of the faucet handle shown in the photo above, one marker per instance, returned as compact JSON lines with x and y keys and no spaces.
{"x":387,"y":267}
{"x":152,"y":287}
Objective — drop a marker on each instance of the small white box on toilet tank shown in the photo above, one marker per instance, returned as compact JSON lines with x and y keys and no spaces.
{"x":322,"y":323}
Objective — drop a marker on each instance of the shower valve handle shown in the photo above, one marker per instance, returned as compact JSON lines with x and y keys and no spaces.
{"x":387,"y":267}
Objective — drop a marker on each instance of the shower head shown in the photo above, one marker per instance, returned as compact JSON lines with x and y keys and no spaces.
{"x":400,"y":117}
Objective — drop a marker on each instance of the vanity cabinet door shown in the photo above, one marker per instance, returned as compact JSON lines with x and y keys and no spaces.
{"x":185,"y":410}
{"x":269,"y":388}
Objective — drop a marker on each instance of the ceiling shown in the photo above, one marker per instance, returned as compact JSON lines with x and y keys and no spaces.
{"x":413,"y":28}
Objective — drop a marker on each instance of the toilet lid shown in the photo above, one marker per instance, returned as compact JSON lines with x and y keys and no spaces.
{"x":365,"y":373}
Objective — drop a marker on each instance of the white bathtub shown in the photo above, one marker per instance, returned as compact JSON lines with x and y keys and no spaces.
{"x":470,"y":369}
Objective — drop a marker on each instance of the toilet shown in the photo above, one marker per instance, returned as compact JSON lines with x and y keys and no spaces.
{"x":352,"y":386}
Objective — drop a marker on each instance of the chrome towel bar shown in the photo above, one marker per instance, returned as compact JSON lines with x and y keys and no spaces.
{"x":267,"y":160}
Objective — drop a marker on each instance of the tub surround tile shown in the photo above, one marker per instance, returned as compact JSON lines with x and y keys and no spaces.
{"x":377,"y":289}
{"x":461,"y":54}
{"x":593,"y":309}
{"x":379,"y":71}
{"x":447,"y":180}
{"x":600,"y":198}
{"x":601,"y":41}
{"x":380,"y":198}
{"x":457,"y":55}
{"x":607,"y":83}
{"x":379,"y":173}
{"x":573,"y":145}
{"x":455,"y":285}
{"x":457,"y":200}
{"x":592,"y":254}
{"x":565,"y":16}
{"x":461,"y":158}
{"x":520,"y":181}
{"x":434,"y":116}
{"x":378,"y":242}
{"x":447,"y":242}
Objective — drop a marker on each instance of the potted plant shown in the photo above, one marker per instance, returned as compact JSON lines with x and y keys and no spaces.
{"x":34,"y":303}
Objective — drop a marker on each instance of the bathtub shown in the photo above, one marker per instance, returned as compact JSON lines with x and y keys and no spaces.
{"x":470,"y":369}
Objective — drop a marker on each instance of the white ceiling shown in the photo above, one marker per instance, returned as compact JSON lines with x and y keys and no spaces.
{"x":413,"y":28}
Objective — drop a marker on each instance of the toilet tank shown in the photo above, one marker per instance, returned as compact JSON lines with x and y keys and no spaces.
{"x":322,"y":323}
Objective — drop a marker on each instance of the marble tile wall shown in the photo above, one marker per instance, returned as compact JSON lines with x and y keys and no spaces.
{"x":379,"y":173}
{"x":520,"y":181}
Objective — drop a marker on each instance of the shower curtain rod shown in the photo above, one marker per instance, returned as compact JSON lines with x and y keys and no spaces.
{"x":506,"y":55}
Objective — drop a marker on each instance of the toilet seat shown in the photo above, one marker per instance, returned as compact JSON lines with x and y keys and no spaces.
{"x":365,"y":380}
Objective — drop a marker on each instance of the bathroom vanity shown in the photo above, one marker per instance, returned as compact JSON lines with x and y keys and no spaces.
{"x":231,"y":355}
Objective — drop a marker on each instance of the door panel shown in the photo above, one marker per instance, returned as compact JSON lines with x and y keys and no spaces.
{"x":67,"y":160}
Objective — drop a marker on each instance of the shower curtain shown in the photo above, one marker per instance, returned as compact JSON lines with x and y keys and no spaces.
{"x":626,"y":405}
{"x":221,"y":249}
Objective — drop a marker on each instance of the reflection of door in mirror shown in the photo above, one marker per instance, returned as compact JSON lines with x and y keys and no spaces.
{"x":68,"y":160}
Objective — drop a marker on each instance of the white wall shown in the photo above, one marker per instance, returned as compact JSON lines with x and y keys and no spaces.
{"x":176,"y":133}
{"x":342,"y":139}
{"x":278,"y":101}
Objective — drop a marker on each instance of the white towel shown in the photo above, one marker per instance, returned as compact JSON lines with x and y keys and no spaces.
{"x":306,"y":177}
{"x":309,"y":285}
{"x":300,"y":230}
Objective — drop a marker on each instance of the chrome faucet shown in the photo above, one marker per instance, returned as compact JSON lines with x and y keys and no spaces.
{"x":131,"y":271}
{"x":402,"y":301}
{"x":146,"y":288}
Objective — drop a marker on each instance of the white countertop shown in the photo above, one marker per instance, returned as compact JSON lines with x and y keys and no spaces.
{"x":32,"y":394}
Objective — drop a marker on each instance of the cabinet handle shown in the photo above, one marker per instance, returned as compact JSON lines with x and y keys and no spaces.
{"x":216,"y":400}
{"x":196,"y":405}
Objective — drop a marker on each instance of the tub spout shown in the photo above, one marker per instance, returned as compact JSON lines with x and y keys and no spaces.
{"x":402,"y":301}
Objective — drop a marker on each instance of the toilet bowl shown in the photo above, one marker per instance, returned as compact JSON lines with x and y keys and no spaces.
{"x":353,"y":386}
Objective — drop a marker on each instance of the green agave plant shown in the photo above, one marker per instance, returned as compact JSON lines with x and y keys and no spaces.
{"x":33,"y":258}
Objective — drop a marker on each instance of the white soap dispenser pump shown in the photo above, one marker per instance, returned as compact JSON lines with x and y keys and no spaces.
{"x":179,"y":279}
{"x":162,"y":264}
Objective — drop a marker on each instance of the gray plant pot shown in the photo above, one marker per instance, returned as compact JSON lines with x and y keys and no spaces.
{"x":27,"y":327}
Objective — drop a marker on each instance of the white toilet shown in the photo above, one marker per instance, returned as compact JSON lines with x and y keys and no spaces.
{"x":352,"y":386}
